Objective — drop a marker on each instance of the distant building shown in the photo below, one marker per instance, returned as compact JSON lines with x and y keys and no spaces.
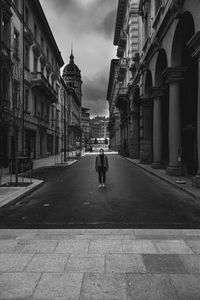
{"x":127,"y":38}
{"x":114,"y":113}
{"x":85,"y":125}
{"x":72,"y":78}
{"x":99,"y":127}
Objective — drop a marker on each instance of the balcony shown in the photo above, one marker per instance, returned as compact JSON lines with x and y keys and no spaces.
{"x":120,"y":51}
{"x":38,"y":81}
{"x":122,"y":39}
{"x":122,"y":99}
{"x":123,"y":63}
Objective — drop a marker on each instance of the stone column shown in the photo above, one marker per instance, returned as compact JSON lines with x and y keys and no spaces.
{"x":134,"y":126}
{"x":146,"y":145}
{"x":174,"y":76}
{"x":194,"y":45}
{"x":157,"y":96}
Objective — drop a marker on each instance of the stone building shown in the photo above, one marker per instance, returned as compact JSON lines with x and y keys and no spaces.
{"x":72,"y":78}
{"x":5,"y":74}
{"x":169,"y":87}
{"x":33,"y":86}
{"x":85,"y":126}
{"x":165,"y":89}
{"x":127,"y":38}
{"x":114,"y":113}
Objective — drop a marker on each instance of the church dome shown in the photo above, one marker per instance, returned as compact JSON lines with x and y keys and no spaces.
{"x":71,"y":69}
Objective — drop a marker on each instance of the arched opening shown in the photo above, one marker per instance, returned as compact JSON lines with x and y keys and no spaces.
{"x":161,"y":65}
{"x":181,"y":56}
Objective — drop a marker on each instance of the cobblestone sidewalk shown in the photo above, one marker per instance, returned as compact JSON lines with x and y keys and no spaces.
{"x":100,"y":264}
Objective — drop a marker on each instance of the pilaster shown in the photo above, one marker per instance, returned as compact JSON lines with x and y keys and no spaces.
{"x":173,"y":77}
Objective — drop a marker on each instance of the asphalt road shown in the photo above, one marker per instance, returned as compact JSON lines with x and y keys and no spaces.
{"x":71,"y":198}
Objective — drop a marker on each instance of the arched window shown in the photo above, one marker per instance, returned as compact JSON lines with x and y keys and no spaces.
{"x":5,"y":84}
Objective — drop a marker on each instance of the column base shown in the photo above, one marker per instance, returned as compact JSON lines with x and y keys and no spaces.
{"x":175,"y":171}
{"x":196,"y":181}
{"x":157,"y":165}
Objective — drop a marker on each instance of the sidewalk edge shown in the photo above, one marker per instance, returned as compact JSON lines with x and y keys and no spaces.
{"x":23,"y":195}
{"x":190,"y":193}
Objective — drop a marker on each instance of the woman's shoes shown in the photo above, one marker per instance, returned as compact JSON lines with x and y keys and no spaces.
{"x":102,"y":185}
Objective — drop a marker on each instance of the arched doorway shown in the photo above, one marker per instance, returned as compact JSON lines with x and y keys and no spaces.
{"x":146,"y":145}
{"x":181,"y":56}
{"x":161,"y":65}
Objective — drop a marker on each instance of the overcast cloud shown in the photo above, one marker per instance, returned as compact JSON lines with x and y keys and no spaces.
{"x":89,"y":25}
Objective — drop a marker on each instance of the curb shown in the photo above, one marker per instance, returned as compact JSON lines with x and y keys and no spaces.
{"x":20,"y":197}
{"x":190,"y":193}
{"x":55,"y":165}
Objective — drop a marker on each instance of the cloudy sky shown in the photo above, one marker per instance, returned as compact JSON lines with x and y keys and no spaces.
{"x":89,"y":25}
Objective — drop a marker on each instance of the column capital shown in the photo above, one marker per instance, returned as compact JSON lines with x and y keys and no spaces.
{"x":146,"y":102}
{"x":174,"y":74}
{"x":194,"y":45}
{"x":158,"y":92}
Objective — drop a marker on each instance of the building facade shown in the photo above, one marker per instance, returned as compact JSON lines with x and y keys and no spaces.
{"x":164,"y":89}
{"x":85,"y":127}
{"x":5,"y":75}
{"x":33,"y":124}
{"x":72,"y":78}
{"x":99,"y":127}
{"x":114,"y":113}
{"x":127,"y":38}
{"x":170,"y":82}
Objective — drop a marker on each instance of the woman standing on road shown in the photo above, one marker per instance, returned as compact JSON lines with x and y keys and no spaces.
{"x":101,"y":166}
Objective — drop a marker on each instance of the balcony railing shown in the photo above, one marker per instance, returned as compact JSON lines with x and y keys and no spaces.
{"x":41,"y":83}
{"x":120,"y":51}
{"x":122,"y":39}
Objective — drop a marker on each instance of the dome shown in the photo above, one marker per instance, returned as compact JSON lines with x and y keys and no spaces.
{"x":71,"y":69}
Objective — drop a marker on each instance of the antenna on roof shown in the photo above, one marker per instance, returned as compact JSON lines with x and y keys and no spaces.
{"x":72,"y":48}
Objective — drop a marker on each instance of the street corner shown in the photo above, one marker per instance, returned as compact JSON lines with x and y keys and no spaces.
{"x":9,"y":194}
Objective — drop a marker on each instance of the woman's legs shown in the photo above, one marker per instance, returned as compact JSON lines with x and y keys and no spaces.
{"x":100,"y":175}
{"x":104,"y":175}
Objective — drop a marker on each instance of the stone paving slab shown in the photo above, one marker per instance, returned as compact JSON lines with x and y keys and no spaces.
{"x":93,"y":264}
{"x":62,"y":286}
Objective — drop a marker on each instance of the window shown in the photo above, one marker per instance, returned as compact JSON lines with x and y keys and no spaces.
{"x":47,"y":113}
{"x":15,"y":93}
{"x":5,"y":31}
{"x":35,"y":31}
{"x":42,"y":69}
{"x":52,"y":62}
{"x":52,"y":115}
{"x":16,"y":43}
{"x":35,"y":64}
{"x":35,"y":105}
{"x":26,"y":15}
{"x":42,"y":109}
{"x":42,"y":43}
{"x":48,"y":76}
{"x":47,"y":54}
{"x":26,"y":100}
{"x":26,"y":56}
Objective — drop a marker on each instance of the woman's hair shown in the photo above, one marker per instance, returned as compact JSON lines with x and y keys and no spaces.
{"x":101,"y":150}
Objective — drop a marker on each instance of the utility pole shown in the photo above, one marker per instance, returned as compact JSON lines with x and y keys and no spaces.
{"x":23,"y":116}
{"x":65,"y":133}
